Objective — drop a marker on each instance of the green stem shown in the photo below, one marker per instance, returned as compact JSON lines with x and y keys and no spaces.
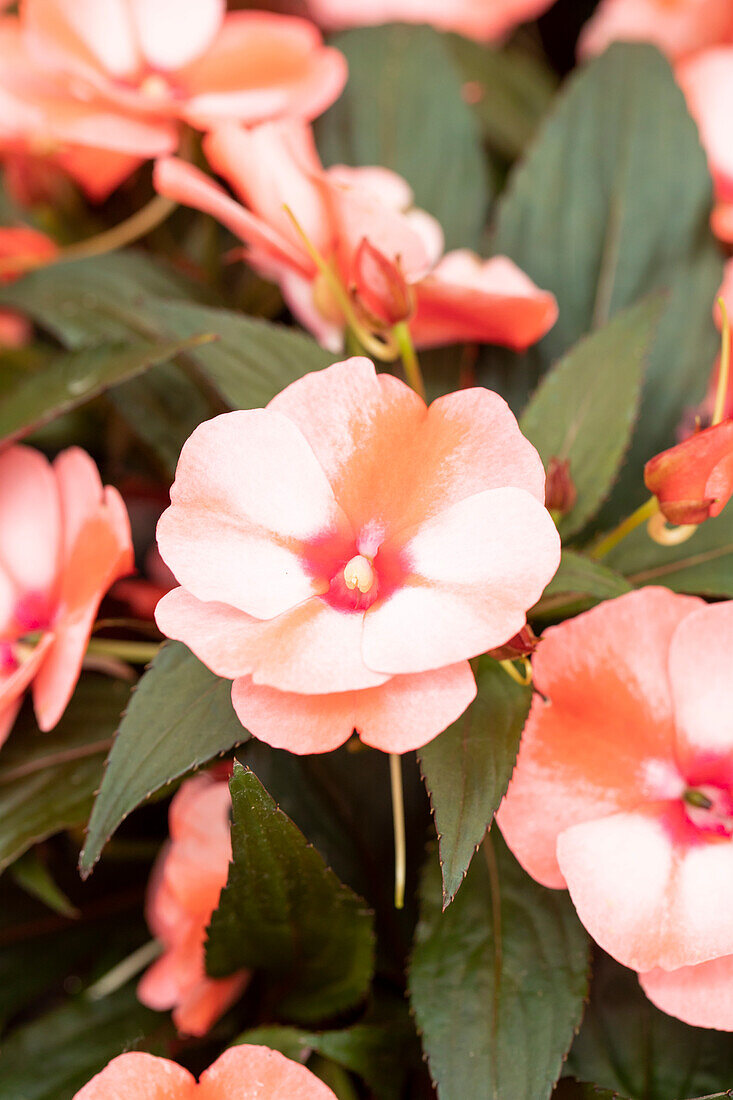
{"x":613,"y":538}
{"x":136,"y":653}
{"x":122,"y":973}
{"x":410,"y":361}
{"x":398,"y":817}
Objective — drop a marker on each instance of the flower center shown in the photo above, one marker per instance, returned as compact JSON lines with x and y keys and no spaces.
{"x":709,"y":808}
{"x":359,"y":573}
{"x":154,"y":86}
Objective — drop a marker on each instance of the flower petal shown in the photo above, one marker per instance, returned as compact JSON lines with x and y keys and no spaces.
{"x":700,"y":674}
{"x":135,"y":1075}
{"x":707,"y":81}
{"x":475,"y":569}
{"x":701,"y":995}
{"x":401,"y":715}
{"x":253,"y":1073}
{"x":694,"y":480}
{"x":677,"y":29}
{"x":169,"y":37}
{"x":604,"y":738}
{"x":30,"y":520}
{"x":248,"y":492}
{"x":83,"y":36}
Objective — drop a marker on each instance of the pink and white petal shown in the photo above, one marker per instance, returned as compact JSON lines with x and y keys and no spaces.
{"x":301,"y":724}
{"x":187,"y":185}
{"x":707,"y":81}
{"x":248,"y":493}
{"x":298,"y":293}
{"x":135,"y":1075}
{"x":647,"y":889}
{"x":701,"y":995}
{"x":382,"y":184}
{"x":475,"y":569}
{"x":311,"y":649}
{"x":262,"y":65}
{"x":30,"y":520}
{"x":80,"y":491}
{"x":361,"y":424}
{"x":258,"y":1073}
{"x":603,"y":740}
{"x":170,"y":36}
{"x":83,"y":37}
{"x":700,"y":672}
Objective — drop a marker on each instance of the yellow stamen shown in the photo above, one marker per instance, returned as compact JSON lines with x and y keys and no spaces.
{"x":724,"y":369}
{"x":358,"y":573}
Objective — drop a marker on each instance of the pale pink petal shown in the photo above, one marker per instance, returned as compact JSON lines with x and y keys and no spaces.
{"x":170,"y":34}
{"x":206,"y":1002}
{"x":701,"y":995}
{"x":383,"y":184}
{"x":248,"y":493}
{"x":135,"y":1075}
{"x":707,"y":81}
{"x":401,"y":715}
{"x":13,"y":685}
{"x":8,"y":714}
{"x":258,"y":1073}
{"x":80,"y":491}
{"x":311,"y":649}
{"x":465,"y":299}
{"x":30,"y":520}
{"x":185,"y":184}
{"x":475,"y":569}
{"x":701,"y":674}
{"x":483,"y":20}
{"x":83,"y":36}
{"x":261,"y":66}
{"x":272,"y":166}
{"x":362,"y":426}
{"x":604,"y":739}
{"x":677,"y":28}
{"x":298,"y":293}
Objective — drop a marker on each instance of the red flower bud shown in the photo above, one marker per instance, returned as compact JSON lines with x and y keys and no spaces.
{"x":694,"y":480}
{"x":379,"y":287}
{"x":521,"y":645}
{"x":560,"y":491}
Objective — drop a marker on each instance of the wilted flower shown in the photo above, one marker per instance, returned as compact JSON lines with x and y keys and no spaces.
{"x":677,"y":28}
{"x":240,"y":1073}
{"x":343,"y":553}
{"x":184,"y":890}
{"x":623,"y":790}
{"x":64,"y":539}
{"x":275,"y":168}
{"x":560,"y":490}
{"x":480,"y":19}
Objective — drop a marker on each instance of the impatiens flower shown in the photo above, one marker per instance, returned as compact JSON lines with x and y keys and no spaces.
{"x":384,"y":253}
{"x":677,"y":27}
{"x":102,"y":85}
{"x":694,"y":480}
{"x":343,"y":552}
{"x":184,"y":890}
{"x":480,"y":19}
{"x":240,"y":1073}
{"x":707,"y":81}
{"x":19,"y":243}
{"x":623,"y":790}
{"x":64,"y":539}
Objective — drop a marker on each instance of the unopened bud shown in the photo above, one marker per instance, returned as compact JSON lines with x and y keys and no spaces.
{"x":379,"y":289}
{"x":560,"y":491}
{"x":521,"y":645}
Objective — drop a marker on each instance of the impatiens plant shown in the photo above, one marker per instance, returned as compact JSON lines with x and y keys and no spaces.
{"x":366,"y":550}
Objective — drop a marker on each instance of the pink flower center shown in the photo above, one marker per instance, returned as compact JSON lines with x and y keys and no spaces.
{"x":33,"y":612}
{"x":709,"y":808}
{"x":8,"y":661}
{"x":356,"y":572}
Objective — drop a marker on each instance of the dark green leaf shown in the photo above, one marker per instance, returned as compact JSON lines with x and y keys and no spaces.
{"x":702,"y":565}
{"x":568,"y":1089}
{"x":71,"y":380}
{"x":585,"y":407}
{"x":285,"y":912}
{"x":180,"y":715}
{"x":53,"y":1057}
{"x":627,"y":1044}
{"x":596,"y":215}
{"x":581,"y":576}
{"x":48,"y":780}
{"x":33,"y":876}
{"x":497,"y":982}
{"x":403,"y":109}
{"x":468,"y":767}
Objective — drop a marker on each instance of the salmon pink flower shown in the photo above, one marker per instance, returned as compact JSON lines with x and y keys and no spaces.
{"x":693,"y":481}
{"x":19,"y":243}
{"x":64,"y":539}
{"x":483,"y":20}
{"x":383,"y":252}
{"x":343,"y":552}
{"x":184,"y":890}
{"x":240,"y":1073}
{"x":678,"y":28}
{"x":707,"y":81}
{"x":623,"y":790}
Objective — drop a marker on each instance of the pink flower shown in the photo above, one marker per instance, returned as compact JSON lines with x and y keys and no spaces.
{"x":343,"y":552}
{"x":623,"y":790}
{"x":458,"y":297}
{"x":480,"y":19}
{"x":707,"y":81}
{"x":678,"y":28}
{"x":21,"y":243}
{"x":63,"y":540}
{"x":184,"y":890}
{"x":102,"y":85}
{"x":240,"y":1073}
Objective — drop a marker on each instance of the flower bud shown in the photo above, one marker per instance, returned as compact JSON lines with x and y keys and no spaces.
{"x":560,"y":491}
{"x":521,"y":645}
{"x":379,"y":288}
{"x":694,"y":480}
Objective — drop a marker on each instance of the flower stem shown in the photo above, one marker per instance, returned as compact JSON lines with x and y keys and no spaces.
{"x":136,"y":653}
{"x":613,"y":538}
{"x":724,"y":369}
{"x":398,"y":817}
{"x":665,"y":535}
{"x":410,"y":361}
{"x":524,"y":679}
{"x":122,"y":973}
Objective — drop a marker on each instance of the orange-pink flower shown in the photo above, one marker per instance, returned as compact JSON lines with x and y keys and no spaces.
{"x":707,"y":81}
{"x":481,"y":19}
{"x":19,"y":243}
{"x":458,"y":297}
{"x":240,"y":1073}
{"x":102,"y":85}
{"x":678,"y":28}
{"x":623,"y":790}
{"x":343,"y":552}
{"x":64,"y":539}
{"x":694,"y":480}
{"x":184,"y":890}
